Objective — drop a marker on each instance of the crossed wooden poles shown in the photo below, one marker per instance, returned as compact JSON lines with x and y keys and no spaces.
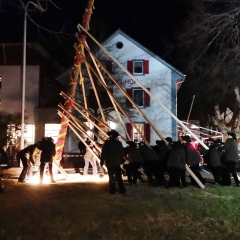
{"x":74,"y":123}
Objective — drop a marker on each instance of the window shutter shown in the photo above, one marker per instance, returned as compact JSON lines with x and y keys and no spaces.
{"x":146,"y":66}
{"x":147,"y":132}
{"x":146,"y":99}
{"x":129,"y":93}
{"x":129,"y":130}
{"x":130,"y":66}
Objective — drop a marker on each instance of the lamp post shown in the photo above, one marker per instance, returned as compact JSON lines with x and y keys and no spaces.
{"x":25,"y":7}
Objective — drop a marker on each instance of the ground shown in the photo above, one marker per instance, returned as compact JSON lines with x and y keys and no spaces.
{"x":82,"y":211}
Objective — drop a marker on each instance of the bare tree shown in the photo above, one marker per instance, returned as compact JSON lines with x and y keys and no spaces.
{"x":211,"y":43}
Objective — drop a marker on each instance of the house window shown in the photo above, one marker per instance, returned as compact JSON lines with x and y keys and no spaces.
{"x":52,"y":130}
{"x":144,"y":129}
{"x":138,"y":67}
{"x":138,"y":97}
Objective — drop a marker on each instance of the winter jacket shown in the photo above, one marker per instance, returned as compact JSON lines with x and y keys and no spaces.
{"x":192,"y":155}
{"x":148,"y":153}
{"x":214,"y":156}
{"x":177,"y":157}
{"x":163,"y":151}
{"x":134,"y":154}
{"x":112,"y":153}
{"x":231,"y":151}
{"x":48,"y":150}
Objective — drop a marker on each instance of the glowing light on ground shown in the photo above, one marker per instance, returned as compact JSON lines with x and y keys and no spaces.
{"x":74,"y":177}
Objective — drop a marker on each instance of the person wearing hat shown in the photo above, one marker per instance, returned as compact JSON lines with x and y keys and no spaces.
{"x":135,"y":159}
{"x":89,"y":158}
{"x":176,"y":162}
{"x":48,"y":152}
{"x":192,"y":159}
{"x":112,"y":155}
{"x":151,"y":164}
{"x":230,"y":158}
{"x":163,"y":151}
{"x":215,"y":160}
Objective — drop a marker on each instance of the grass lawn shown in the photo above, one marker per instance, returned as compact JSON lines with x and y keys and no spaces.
{"x":79,"y":211}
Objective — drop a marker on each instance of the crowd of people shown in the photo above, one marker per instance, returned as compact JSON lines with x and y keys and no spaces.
{"x":138,"y":160}
{"x":29,"y":155}
{"x":156,"y":161}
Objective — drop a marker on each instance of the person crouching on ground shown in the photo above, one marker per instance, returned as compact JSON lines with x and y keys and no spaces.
{"x":48,"y":152}
{"x":176,"y":165}
{"x":112,"y":155}
{"x":26,"y":155}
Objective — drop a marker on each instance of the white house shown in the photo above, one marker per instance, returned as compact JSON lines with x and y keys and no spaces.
{"x":159,"y":77}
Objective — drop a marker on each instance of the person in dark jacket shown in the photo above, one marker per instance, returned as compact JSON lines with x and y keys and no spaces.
{"x":112,"y":156}
{"x":176,"y":165}
{"x":215,"y":160}
{"x":135,"y":160}
{"x":48,"y":152}
{"x":26,"y":155}
{"x":151,"y":164}
{"x":230,"y":158}
{"x":192,"y":159}
{"x":163,"y":153}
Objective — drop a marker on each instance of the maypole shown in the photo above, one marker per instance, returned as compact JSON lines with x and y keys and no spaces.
{"x":75,"y":73}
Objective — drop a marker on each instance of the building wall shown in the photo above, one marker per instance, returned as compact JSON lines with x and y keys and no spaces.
{"x":11,"y":90}
{"x":42,"y":117}
{"x":162,"y":83}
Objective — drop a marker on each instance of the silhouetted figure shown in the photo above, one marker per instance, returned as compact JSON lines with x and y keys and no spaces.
{"x":48,"y":152}
{"x":27,"y":157}
{"x":112,"y":156}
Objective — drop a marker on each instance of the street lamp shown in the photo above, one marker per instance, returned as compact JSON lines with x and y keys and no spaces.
{"x":25,"y":7}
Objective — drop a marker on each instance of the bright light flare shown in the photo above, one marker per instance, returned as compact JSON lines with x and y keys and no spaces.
{"x":74,"y":177}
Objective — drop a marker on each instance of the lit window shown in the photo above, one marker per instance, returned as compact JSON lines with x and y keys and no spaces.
{"x":52,"y":130}
{"x":136,"y":136}
{"x":138,"y":97}
{"x":29,"y":134}
{"x":138,"y":67}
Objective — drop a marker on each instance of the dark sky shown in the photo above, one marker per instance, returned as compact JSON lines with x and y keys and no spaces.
{"x":153,"y":23}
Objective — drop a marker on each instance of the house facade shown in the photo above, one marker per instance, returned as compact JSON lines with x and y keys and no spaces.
{"x":160,"y":78}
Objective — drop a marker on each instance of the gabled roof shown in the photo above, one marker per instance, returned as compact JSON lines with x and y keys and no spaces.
{"x":117,"y":32}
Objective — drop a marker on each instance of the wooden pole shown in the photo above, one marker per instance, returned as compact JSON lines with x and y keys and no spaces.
{"x":194,"y":176}
{"x":95,"y":92}
{"x":145,"y":89}
{"x":112,"y":100}
{"x":129,"y":98}
{"x":94,"y":154}
{"x":89,"y":129}
{"x":90,"y":113}
{"x":190,"y":109}
{"x":65,"y":96}
{"x":74,"y":79}
{"x":119,"y":106}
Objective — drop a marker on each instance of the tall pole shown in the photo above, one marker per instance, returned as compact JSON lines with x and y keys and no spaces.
{"x":25,"y":7}
{"x":24,"y":77}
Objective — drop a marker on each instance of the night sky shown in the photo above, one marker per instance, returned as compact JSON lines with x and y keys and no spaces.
{"x":153,"y":23}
